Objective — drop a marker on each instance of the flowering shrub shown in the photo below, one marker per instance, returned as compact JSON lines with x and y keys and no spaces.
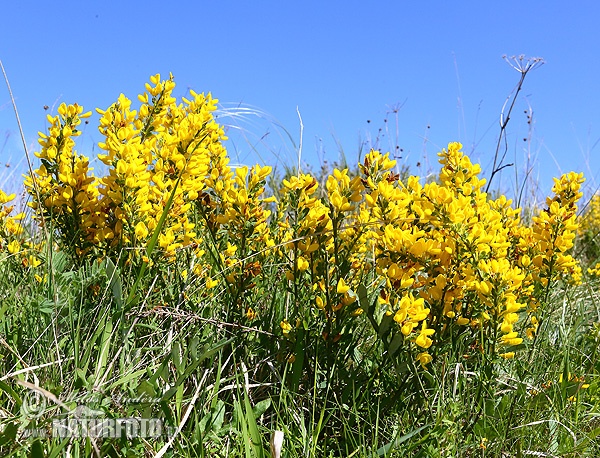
{"x":588,"y":232}
{"x":423,"y":264}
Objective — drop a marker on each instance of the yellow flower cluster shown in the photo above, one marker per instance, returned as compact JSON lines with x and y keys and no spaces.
{"x":447,"y":243}
{"x":555,"y":228}
{"x":589,"y":233}
{"x":589,"y":222}
{"x":64,"y":190}
{"x":595,"y":270}
{"x":572,"y":386}
{"x":469,"y":257}
{"x":443,"y":259}
{"x":167,"y":185}
{"x":10,"y":225}
{"x":242,"y":219}
{"x":448,"y":259}
{"x":158,"y":156}
{"x":13,"y":240}
{"x":325,"y":241}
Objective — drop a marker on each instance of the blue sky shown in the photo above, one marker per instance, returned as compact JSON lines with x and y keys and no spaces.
{"x":339,"y":63}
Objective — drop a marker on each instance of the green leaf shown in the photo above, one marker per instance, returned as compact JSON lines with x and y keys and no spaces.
{"x":395,"y":344}
{"x":177,"y":357}
{"x":37,"y":451}
{"x":12,"y":393}
{"x":105,"y":345}
{"x":384,"y":326}
{"x":91,"y":345}
{"x":115,"y":281}
{"x":395,"y":443}
{"x":146,"y":388}
{"x":253,"y":428}
{"x":363,"y":298}
{"x":3,"y":310}
{"x":261,"y":407}
{"x":213,"y":420}
{"x":59,"y":448}
{"x":8,"y":436}
{"x":126,"y":378}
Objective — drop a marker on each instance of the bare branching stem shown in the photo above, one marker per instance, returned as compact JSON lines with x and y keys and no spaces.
{"x":523,"y":65}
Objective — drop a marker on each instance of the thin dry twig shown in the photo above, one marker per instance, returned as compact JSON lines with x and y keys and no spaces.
{"x":523,"y":65}
{"x":300,"y":146}
{"x":27,"y":155}
{"x":187,"y":316}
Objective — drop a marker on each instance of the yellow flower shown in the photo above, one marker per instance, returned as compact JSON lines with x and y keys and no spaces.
{"x":423,"y":339}
{"x":286,"y":327}
{"x":320,"y":303}
{"x":251,"y":314}
{"x":342,"y":287}
{"x":424,"y":358}
{"x":302,"y":263}
{"x":141,"y":231}
{"x":13,"y":247}
{"x":210,"y":283}
{"x":31,"y":261}
{"x":507,"y":355}
{"x":511,"y":339}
